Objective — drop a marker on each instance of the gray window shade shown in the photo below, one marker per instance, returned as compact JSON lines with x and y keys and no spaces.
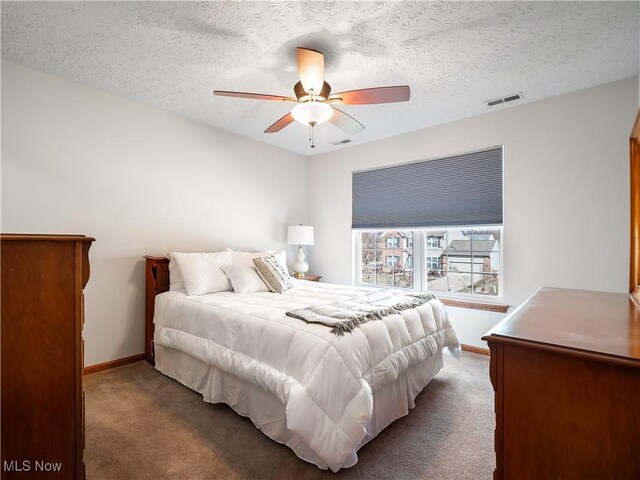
{"x":460,"y":190}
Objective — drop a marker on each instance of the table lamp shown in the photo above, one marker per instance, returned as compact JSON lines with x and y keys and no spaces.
{"x":300,"y":235}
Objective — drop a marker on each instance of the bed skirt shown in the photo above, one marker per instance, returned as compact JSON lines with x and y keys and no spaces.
{"x":268,"y":414}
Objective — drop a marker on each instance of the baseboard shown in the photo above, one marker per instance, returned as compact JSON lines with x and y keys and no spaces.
{"x":471,"y":348}
{"x":113,"y":364}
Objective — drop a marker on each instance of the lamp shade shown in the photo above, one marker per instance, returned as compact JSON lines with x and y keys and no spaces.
{"x":299,"y":235}
{"x":312,"y":112}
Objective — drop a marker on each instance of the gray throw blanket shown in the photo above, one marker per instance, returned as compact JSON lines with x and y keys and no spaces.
{"x":346,"y":315}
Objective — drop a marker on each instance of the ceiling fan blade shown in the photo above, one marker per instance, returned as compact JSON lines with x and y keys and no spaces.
{"x":311,"y":69}
{"x":253,"y":96}
{"x":369,"y":96}
{"x":280,"y":124}
{"x":346,"y":122}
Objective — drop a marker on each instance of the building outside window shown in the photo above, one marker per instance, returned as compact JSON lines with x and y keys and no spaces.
{"x":454,"y":261}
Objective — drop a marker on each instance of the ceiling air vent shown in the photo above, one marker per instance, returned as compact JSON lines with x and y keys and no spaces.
{"x":341,"y":142}
{"x":509,"y":98}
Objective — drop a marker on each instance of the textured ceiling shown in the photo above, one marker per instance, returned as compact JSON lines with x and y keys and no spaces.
{"x":454,"y":55}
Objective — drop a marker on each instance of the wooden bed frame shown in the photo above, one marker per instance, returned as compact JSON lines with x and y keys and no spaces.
{"x":157,"y":275}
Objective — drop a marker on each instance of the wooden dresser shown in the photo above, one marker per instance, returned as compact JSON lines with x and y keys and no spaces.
{"x":565,"y":368}
{"x":43,"y":277}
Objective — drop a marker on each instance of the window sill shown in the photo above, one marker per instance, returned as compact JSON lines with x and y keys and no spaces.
{"x":455,"y":302}
{"x":489,"y":307}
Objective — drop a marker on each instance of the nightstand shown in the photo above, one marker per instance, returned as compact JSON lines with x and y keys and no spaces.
{"x":311,"y":278}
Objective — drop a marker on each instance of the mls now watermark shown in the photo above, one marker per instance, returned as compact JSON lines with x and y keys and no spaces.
{"x":28,"y":466}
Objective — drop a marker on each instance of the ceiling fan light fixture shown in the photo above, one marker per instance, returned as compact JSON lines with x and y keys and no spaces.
{"x":313,"y":96}
{"x":309,"y":113}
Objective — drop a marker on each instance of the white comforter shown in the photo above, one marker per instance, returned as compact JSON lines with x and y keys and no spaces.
{"x":325,"y":381}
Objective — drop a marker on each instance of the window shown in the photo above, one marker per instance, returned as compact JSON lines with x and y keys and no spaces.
{"x":470,"y":262}
{"x":392,"y":260}
{"x":383,"y":262}
{"x":456,"y":261}
{"x":433,"y":242}
{"x":419,"y":237}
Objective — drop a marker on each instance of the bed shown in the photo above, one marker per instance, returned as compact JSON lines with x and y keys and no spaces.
{"x":321,"y":394}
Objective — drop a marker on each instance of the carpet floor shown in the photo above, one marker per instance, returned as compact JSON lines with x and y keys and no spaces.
{"x":143,"y":425}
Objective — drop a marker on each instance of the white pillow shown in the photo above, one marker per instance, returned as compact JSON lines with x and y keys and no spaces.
{"x":246,"y":258}
{"x":202,"y":272}
{"x":175,"y":279}
{"x":245,"y":278}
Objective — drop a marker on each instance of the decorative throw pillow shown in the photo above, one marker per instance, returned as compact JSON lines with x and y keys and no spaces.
{"x":202,"y":272}
{"x":244,"y":278}
{"x":273,"y":274}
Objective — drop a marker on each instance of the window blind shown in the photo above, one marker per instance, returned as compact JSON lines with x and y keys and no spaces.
{"x":453,"y":191}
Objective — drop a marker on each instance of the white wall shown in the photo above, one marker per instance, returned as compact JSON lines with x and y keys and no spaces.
{"x":566,"y":192}
{"x":141,"y":181}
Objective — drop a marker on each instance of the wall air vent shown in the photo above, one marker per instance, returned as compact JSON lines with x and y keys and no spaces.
{"x":341,"y":142}
{"x":500,"y":101}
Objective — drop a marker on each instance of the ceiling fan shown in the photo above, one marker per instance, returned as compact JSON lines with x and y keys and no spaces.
{"x":315,"y":104}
